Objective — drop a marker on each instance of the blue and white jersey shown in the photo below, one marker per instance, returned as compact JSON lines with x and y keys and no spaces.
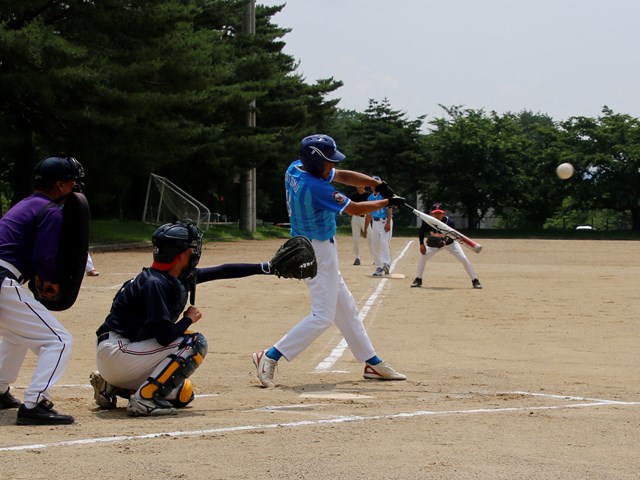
{"x":381,"y":213}
{"x":312,"y":203}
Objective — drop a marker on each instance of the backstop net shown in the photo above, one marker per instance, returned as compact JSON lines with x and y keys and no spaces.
{"x":166,"y":202}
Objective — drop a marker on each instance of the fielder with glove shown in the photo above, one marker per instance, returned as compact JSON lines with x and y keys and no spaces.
{"x":437,"y":241}
{"x":146,"y":351}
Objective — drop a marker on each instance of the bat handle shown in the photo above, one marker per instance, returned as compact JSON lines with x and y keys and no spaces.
{"x":406,"y":205}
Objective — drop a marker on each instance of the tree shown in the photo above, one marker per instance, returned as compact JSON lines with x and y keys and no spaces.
{"x":607,"y":157}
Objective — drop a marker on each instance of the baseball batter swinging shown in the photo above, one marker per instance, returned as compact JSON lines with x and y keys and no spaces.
{"x":312,"y":205}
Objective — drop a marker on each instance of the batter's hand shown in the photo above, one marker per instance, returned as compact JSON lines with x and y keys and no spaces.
{"x":385,"y":190}
{"x":423,"y":249}
{"x":193,"y":313}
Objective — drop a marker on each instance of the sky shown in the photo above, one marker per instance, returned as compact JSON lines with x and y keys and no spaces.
{"x":562,"y":58}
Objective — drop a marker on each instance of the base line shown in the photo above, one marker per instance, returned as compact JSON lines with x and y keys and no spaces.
{"x":328,"y":421}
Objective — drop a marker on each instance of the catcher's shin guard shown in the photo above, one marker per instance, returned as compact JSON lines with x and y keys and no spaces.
{"x":184,"y":395}
{"x":177,"y":370}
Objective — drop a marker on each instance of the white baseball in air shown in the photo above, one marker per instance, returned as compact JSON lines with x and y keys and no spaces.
{"x":565,"y":170}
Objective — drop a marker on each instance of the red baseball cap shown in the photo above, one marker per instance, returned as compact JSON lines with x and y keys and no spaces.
{"x":437,"y":208}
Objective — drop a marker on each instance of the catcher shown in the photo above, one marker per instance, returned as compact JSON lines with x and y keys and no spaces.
{"x":145,"y":350}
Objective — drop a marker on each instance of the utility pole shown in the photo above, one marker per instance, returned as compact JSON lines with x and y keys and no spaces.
{"x":248,"y":178}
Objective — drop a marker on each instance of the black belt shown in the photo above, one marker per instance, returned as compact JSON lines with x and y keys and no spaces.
{"x":378,"y":219}
{"x":5,"y":272}
{"x":102,"y":337}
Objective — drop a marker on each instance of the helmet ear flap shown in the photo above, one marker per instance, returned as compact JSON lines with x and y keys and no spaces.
{"x":317,"y":149}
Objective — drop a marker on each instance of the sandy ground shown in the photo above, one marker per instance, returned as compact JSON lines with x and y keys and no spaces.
{"x":536,"y":376}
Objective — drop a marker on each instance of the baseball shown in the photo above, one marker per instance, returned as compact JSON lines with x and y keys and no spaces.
{"x":564,"y":170}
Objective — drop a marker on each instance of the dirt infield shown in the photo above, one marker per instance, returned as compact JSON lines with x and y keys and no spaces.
{"x":536,"y":376}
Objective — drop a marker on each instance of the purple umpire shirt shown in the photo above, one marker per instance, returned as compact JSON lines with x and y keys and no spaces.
{"x":29,"y":247}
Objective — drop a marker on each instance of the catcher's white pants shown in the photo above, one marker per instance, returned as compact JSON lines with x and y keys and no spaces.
{"x":357,"y":226}
{"x":381,"y":243}
{"x":454,"y":249}
{"x":331,"y":302}
{"x":25,"y":324}
{"x":128,"y":364}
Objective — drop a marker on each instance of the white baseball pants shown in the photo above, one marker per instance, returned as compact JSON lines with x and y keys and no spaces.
{"x":454,"y":249}
{"x":381,"y":243}
{"x":331,"y":302}
{"x":25,"y":324}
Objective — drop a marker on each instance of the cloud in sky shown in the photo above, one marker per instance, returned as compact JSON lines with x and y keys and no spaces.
{"x":559,"y":57}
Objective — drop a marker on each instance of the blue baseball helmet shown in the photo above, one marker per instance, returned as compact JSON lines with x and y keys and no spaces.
{"x":317,"y":149}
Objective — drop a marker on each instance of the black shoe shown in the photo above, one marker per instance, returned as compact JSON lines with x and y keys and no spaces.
{"x":417,"y":282}
{"x":42,"y":414}
{"x":476,"y":283}
{"x":8,"y":401}
{"x":356,"y":261}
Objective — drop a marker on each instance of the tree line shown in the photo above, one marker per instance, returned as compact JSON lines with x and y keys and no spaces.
{"x":164,"y":86}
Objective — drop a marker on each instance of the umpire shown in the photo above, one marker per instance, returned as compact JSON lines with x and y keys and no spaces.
{"x":30,"y":235}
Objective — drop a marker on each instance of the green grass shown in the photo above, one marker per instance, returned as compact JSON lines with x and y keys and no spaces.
{"x":116,"y":232}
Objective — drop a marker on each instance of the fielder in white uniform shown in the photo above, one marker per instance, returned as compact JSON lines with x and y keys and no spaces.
{"x":313,"y":204}
{"x":381,"y":222}
{"x":438,"y":241}
{"x":29,"y":234}
{"x":359,"y":227}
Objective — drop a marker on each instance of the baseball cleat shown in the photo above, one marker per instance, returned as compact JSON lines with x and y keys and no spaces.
{"x":379,"y":272}
{"x":417,"y":283}
{"x":141,"y":407}
{"x":381,"y":371}
{"x":103,"y":392}
{"x":42,"y":414}
{"x":266,"y":368}
{"x":476,"y":283}
{"x":8,"y":401}
{"x":356,"y":261}
{"x":386,"y":270}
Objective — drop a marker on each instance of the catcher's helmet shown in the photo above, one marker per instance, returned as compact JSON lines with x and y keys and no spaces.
{"x":171,"y":239}
{"x":55,"y":169}
{"x":317,"y":149}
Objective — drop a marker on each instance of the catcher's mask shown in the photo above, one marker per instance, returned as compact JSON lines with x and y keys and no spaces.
{"x":54,"y":169}
{"x":171,"y":239}
{"x":317,"y":149}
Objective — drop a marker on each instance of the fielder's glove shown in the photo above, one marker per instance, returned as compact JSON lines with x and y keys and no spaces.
{"x":295,"y":259}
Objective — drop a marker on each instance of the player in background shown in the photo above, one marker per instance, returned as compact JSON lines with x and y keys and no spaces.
{"x":90,"y":269}
{"x":381,"y":222}
{"x":313,"y":204}
{"x":145,"y":350}
{"x":359,"y":227}
{"x":438,"y":241}
{"x":29,"y":240}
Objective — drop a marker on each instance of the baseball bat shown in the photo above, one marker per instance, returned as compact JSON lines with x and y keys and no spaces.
{"x":442,"y":227}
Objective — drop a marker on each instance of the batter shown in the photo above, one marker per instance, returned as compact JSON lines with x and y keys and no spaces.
{"x":313,"y":205}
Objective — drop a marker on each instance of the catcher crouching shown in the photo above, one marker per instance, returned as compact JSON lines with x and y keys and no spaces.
{"x":146,"y":351}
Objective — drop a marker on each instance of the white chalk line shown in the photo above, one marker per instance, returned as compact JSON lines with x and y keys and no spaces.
{"x":328,"y":363}
{"x":584,"y":403}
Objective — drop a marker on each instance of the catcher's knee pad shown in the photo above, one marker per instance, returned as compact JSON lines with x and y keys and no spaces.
{"x":184,"y":396}
{"x":178,"y":369}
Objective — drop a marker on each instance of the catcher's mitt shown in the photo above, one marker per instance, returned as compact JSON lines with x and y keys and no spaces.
{"x":295,"y":259}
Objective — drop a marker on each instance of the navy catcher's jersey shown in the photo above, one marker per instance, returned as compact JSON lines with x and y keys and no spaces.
{"x":146,"y":305}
